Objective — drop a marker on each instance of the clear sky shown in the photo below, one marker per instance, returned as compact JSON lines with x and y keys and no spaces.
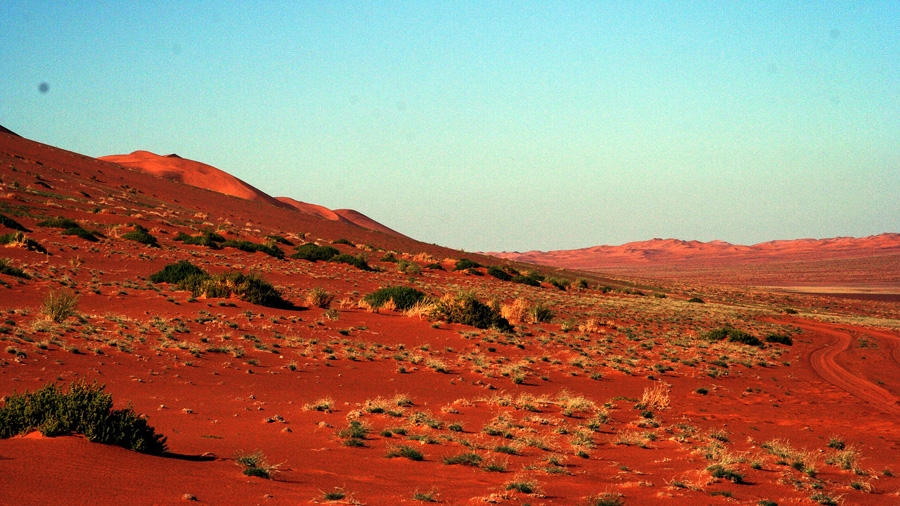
{"x":491,"y":126}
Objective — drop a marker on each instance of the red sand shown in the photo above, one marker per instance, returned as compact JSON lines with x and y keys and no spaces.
{"x":219,"y":376}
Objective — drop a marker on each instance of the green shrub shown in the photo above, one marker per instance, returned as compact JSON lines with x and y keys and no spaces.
{"x":22,"y":240}
{"x":465,"y":308}
{"x":403,"y":297}
{"x":435,"y":266}
{"x":780,"y":339}
{"x":252,"y":247}
{"x":531,"y":279}
{"x":59,"y":222}
{"x":81,"y":233}
{"x":141,"y":235}
{"x":255,"y":464}
{"x":177,"y":272}
{"x":465,"y":264}
{"x":407,"y":267}
{"x":464,"y":459}
{"x":343,"y":241}
{"x":10,"y":270}
{"x":733,"y":335}
{"x":8,"y":222}
{"x":278,"y":239}
{"x":247,"y":287}
{"x":83,"y":409}
{"x":406,"y":452}
{"x":696,"y":300}
{"x":499,"y":273}
{"x":562,"y":284}
{"x":208,"y":238}
{"x":356,"y":261}
{"x":540,"y":313}
{"x":313,"y":252}
{"x":389,"y":257}
{"x":720,"y":471}
{"x":58,"y":306}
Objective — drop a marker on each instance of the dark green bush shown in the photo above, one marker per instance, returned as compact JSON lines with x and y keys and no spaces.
{"x":499,"y":273}
{"x":313,"y":252}
{"x":562,"y":284}
{"x":435,"y":266}
{"x":8,"y":222}
{"x":465,"y":264}
{"x":780,"y":339}
{"x":208,"y":238}
{"x":59,"y":222}
{"x":10,"y":270}
{"x":697,"y":300}
{"x":526,"y":280}
{"x":141,"y":235}
{"x":247,"y":287}
{"x":19,"y":238}
{"x":177,"y":272}
{"x":81,"y":233}
{"x":356,"y":261}
{"x":343,"y":241}
{"x":403,"y":297}
{"x":252,"y":247}
{"x":466,"y":309}
{"x":279,"y":239}
{"x":389,"y":257}
{"x":733,"y":335}
{"x":84,"y":409}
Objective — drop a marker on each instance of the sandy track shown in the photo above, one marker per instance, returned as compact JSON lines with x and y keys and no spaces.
{"x":822,"y":362}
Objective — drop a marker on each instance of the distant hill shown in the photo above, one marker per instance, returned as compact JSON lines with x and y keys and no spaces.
{"x":816,"y":261}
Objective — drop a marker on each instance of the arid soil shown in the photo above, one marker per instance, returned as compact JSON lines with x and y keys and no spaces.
{"x":617,"y":398}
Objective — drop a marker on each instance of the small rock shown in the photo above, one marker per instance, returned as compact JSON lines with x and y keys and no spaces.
{"x":189,"y":497}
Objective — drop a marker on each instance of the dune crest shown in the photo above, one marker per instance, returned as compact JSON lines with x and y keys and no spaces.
{"x":193,"y":173}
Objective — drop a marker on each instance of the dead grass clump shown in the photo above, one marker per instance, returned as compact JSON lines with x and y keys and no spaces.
{"x":514,"y":312}
{"x":59,"y":305}
{"x":325,"y":404}
{"x":571,"y":404}
{"x":319,"y":297}
{"x":654,"y":399}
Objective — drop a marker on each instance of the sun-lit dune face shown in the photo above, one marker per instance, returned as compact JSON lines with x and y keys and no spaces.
{"x":608,"y":390}
{"x":192,"y":173}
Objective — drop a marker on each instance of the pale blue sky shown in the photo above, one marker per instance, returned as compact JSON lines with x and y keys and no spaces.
{"x":488,"y":125}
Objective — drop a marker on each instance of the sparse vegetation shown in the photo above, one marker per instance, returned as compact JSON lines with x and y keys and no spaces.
{"x":59,"y":305}
{"x":141,"y":235}
{"x":403,"y":297}
{"x":255,"y":464}
{"x":83,"y":409}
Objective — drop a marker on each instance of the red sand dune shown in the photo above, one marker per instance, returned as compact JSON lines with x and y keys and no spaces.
{"x":815,"y":261}
{"x":342,"y":215}
{"x":190,"y":172}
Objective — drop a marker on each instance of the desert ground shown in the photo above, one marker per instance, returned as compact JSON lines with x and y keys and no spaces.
{"x":736,"y":382}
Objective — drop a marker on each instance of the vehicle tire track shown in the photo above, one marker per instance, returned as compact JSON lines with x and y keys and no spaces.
{"x":822,"y":362}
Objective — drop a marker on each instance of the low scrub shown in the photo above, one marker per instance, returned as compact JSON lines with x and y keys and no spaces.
{"x":313,"y":252}
{"x":177,"y":273}
{"x":247,"y":287}
{"x":252,"y":247}
{"x":733,"y":335}
{"x":208,"y":238}
{"x":81,"y":234}
{"x":356,"y":261}
{"x":83,"y":409}
{"x":499,"y":273}
{"x":464,"y":264}
{"x":59,"y":305}
{"x":11,"y":270}
{"x":403,"y":297}
{"x":20,"y":240}
{"x":465,"y":308}
{"x":141,"y":235}
{"x":10,"y":223}
{"x":779,"y":339}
